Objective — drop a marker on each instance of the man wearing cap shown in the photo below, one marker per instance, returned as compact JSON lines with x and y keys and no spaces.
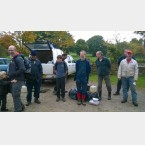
{"x":128,"y":73}
{"x":34,"y":79}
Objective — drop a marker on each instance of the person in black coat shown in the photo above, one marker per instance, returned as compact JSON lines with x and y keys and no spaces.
{"x":4,"y":90}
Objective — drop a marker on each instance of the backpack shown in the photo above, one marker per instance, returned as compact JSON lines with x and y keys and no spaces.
{"x":73,"y":93}
{"x":27,"y":65}
{"x":90,"y":96}
{"x":55,"y":66}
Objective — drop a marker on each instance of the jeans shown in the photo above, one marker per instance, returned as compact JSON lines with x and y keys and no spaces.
{"x":107,"y":81}
{"x":60,"y":85}
{"x":82,"y":85}
{"x":129,"y":82}
{"x":16,"y":94}
{"x":30,"y":84}
{"x":119,"y":84}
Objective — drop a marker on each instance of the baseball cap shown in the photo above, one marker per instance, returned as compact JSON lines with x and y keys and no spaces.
{"x":129,"y":51}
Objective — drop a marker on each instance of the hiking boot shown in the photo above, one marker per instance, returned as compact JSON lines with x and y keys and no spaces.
{"x":109,"y":95}
{"x":115,"y":94}
{"x":4,"y":109}
{"x":58,"y":99}
{"x":79,"y":102}
{"x":23,"y":107}
{"x":83,"y":102}
{"x":28,"y":103}
{"x":63,"y":99}
{"x":37,"y":101}
{"x":123,"y":101}
{"x":135,"y":104}
{"x":100,"y":95}
{"x":54,"y":92}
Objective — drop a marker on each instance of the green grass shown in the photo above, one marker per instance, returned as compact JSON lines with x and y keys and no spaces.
{"x":139,"y":84}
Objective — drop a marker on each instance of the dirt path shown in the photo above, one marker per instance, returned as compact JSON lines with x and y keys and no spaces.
{"x":48,"y":103}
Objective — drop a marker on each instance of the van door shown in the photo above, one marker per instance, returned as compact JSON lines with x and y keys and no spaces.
{"x":73,"y":65}
{"x":69,"y":65}
{"x":45,"y":55}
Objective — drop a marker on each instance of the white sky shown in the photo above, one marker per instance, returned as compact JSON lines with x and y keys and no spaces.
{"x":107,"y":35}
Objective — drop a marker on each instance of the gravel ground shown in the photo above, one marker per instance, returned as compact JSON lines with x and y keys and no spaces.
{"x":49,"y":104}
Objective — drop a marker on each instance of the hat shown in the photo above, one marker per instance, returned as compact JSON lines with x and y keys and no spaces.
{"x":2,"y":74}
{"x":33,"y":53}
{"x":129,"y":51}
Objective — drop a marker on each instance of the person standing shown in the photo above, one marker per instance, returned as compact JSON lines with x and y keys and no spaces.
{"x":128,"y":73}
{"x":64,"y":56}
{"x":35,"y":78}
{"x":119,"y":82}
{"x":16,"y":71}
{"x":61,"y":70}
{"x":103,"y":68}
{"x":4,"y":86}
{"x":83,"y":70}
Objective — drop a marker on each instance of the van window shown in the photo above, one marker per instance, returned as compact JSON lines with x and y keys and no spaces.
{"x":68,"y":59}
{"x":33,"y":46}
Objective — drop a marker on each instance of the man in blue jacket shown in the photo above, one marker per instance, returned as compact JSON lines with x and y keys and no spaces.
{"x":103,"y":67}
{"x":34,"y":79}
{"x":83,"y":70}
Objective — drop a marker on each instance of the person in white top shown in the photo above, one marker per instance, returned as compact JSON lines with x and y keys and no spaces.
{"x":128,"y":73}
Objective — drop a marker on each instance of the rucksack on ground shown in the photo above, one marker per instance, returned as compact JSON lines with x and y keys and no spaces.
{"x":90,"y":96}
{"x":73,"y":93}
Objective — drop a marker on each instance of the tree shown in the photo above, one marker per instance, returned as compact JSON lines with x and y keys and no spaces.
{"x":6,"y":41}
{"x":96,"y":43}
{"x":18,"y":38}
{"x":81,"y":45}
{"x":142,"y":34}
{"x":61,"y":39}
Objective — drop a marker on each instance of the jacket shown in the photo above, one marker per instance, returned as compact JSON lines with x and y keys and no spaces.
{"x":128,"y":69}
{"x":4,"y":87}
{"x":37,"y":72}
{"x":61,"y":69}
{"x":88,"y":68}
{"x":16,"y":69}
{"x":103,"y":67}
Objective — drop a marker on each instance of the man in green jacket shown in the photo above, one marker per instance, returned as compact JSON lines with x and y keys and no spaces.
{"x":103,"y":68}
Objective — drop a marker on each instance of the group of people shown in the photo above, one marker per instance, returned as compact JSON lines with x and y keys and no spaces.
{"x":127,"y":76}
{"x":12,"y":81}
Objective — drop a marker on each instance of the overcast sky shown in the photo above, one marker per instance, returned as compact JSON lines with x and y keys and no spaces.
{"x":107,"y":35}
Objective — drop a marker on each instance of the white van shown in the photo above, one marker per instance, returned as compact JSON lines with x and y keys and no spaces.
{"x":47,"y":54}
